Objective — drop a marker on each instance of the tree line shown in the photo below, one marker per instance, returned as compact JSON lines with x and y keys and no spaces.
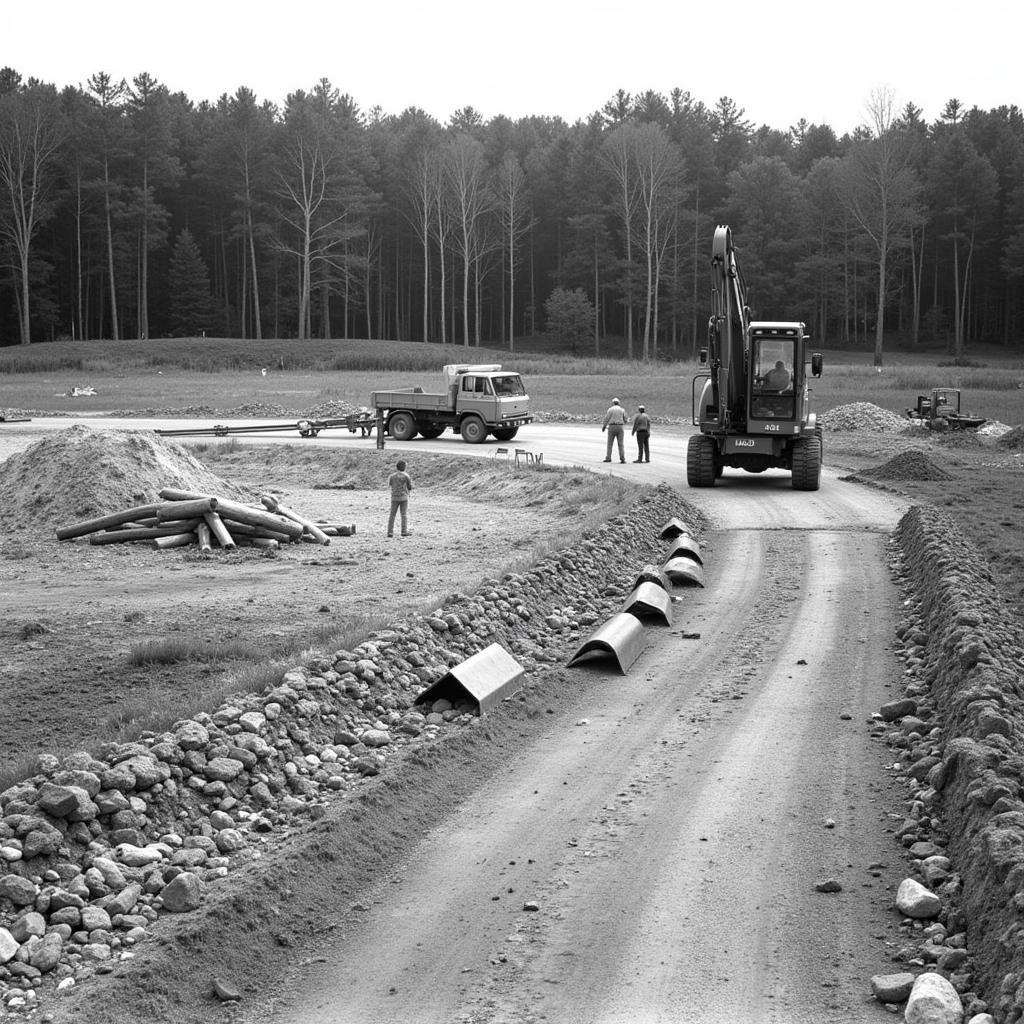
{"x":128,"y":211}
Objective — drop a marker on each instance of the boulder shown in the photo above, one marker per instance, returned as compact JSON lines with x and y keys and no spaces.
{"x":892,"y":988}
{"x":933,"y":1000}
{"x":183,"y":893}
{"x":914,"y":900}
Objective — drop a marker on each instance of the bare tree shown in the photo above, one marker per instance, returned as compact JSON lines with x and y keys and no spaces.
{"x":470,"y":201}
{"x":617,"y":158}
{"x":515,"y":222}
{"x":31,"y":131}
{"x":109,"y":99}
{"x":880,"y":191}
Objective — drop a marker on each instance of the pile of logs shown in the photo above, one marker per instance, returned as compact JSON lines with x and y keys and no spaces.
{"x":182,"y":518}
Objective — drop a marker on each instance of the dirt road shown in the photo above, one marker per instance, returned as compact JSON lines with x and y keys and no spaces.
{"x":653,"y":851}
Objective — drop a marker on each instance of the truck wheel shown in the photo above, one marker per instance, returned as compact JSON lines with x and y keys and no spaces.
{"x":402,"y":427}
{"x":505,"y":433}
{"x":700,"y":461}
{"x":473,"y":430}
{"x":806,"y":464}
{"x":820,"y":435}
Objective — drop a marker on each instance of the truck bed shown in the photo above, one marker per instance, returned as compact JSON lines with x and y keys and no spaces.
{"x":410,"y":398}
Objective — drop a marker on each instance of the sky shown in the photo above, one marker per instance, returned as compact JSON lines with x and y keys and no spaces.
{"x":778,"y":60}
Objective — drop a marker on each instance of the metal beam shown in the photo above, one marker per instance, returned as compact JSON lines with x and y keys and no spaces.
{"x":684,"y":570}
{"x":486,"y":678}
{"x":621,"y":636}
{"x":649,"y":599}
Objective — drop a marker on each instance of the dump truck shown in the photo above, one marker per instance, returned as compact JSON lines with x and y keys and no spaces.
{"x":477,"y":401}
{"x":752,"y":403}
{"x":941,"y":411}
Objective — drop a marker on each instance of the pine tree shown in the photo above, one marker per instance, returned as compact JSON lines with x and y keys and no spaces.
{"x":191,"y":302}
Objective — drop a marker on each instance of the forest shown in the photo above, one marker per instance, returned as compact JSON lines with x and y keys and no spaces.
{"x":129,"y":212}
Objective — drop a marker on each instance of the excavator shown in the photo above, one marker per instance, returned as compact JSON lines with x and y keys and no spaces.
{"x":753,"y":409}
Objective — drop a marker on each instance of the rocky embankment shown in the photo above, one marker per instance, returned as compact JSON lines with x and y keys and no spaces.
{"x":95,"y":849}
{"x":957,"y":732}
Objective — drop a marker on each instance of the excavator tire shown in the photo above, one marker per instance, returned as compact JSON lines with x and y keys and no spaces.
{"x":820,"y":435}
{"x":700,"y":461}
{"x":806,"y":464}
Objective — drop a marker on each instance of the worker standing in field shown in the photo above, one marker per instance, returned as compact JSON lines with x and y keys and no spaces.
{"x":642,"y":433}
{"x":400,"y":485}
{"x":615,"y":425}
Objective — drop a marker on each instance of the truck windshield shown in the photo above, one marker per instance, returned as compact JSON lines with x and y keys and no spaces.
{"x":509,"y":385}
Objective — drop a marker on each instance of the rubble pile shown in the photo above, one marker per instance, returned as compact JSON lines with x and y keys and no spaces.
{"x":81,"y":473}
{"x":961,"y":725}
{"x":911,"y":464}
{"x":863,"y":416}
{"x":93,"y":849}
{"x":1012,"y":439}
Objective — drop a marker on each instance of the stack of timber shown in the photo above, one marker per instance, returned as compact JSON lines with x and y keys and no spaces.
{"x":183,"y":518}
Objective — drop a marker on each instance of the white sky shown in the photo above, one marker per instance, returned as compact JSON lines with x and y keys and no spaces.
{"x":779,"y":60}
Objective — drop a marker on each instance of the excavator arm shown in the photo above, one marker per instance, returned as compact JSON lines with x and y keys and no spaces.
{"x":728,"y":330}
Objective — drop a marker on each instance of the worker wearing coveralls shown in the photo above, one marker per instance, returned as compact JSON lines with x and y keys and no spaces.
{"x":615,"y":425}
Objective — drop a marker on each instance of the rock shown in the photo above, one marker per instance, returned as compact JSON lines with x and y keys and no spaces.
{"x":375,"y":738}
{"x":46,"y":956}
{"x":933,"y":1000}
{"x":982,"y":1018}
{"x":223,"y":769}
{"x":24,"y":927}
{"x":183,"y":893}
{"x":892,"y":988}
{"x":829,"y":885}
{"x":914,"y":900}
{"x":20,"y":891}
{"x":8,"y":946}
{"x":138,"y":856}
{"x":225,"y":991}
{"x":95,"y":917}
{"x":896,"y":709}
{"x":123,"y":902}
{"x":191,"y":736}
{"x":229,"y":839}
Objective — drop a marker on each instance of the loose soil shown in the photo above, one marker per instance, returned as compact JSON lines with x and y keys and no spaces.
{"x":471,"y":521}
{"x":74,"y":618}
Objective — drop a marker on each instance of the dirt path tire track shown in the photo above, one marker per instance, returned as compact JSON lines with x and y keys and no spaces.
{"x":672,"y":842}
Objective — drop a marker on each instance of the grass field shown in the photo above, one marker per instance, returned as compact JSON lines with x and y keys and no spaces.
{"x":224,"y":374}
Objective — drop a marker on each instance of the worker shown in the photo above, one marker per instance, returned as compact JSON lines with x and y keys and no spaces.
{"x":777,"y":379}
{"x":400,"y":485}
{"x":615,"y":425}
{"x":642,"y":433}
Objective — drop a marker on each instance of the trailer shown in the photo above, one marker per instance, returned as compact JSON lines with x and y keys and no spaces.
{"x":362,"y":423}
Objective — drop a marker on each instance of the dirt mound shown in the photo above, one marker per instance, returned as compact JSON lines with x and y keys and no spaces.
{"x":81,"y":473}
{"x":909,"y":465}
{"x":862,"y":416}
{"x":1012,"y":439}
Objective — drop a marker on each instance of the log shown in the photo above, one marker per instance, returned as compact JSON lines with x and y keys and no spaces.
{"x":203,"y":536}
{"x":240,"y":513}
{"x":171,"y":510}
{"x":338,"y":530}
{"x":245,"y":530}
{"x":143,"y":532}
{"x":114,"y":519}
{"x":219,"y":530}
{"x":258,"y":542}
{"x":174,"y":540}
{"x":273,"y":505}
